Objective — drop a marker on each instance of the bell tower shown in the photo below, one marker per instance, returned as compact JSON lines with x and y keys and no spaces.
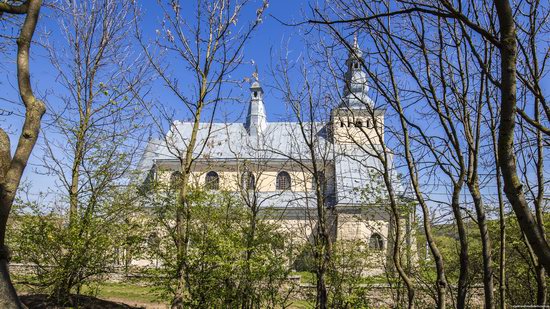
{"x":356,"y":125}
{"x":355,"y":119}
{"x":355,"y":78}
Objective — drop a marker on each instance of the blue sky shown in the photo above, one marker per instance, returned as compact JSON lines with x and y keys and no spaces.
{"x":268,"y":38}
{"x":266,"y":41}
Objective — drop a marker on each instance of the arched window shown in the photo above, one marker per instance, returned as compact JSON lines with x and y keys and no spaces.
{"x":175,"y":180}
{"x":248,"y":181}
{"x":283,"y":181}
{"x":153,"y":240}
{"x":376,"y":242}
{"x":358,"y":123}
{"x":212,"y":181}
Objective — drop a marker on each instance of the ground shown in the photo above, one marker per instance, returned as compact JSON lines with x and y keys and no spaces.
{"x":109,"y":295}
{"x":116,"y":295}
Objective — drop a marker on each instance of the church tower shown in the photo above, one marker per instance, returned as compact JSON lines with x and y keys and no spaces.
{"x":256,"y":120}
{"x":355,"y":118}
{"x":356,"y":125}
{"x":356,"y":85}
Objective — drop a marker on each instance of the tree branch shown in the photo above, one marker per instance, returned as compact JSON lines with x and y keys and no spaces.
{"x":14,"y":9}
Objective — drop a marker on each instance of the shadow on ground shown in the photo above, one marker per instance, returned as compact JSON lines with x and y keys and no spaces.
{"x":40,"y":301}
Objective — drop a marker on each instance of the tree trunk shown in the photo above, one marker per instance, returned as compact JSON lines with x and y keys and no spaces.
{"x":473,"y":186}
{"x":539,"y":202}
{"x":396,"y":250}
{"x":183,"y":213}
{"x":541,"y":285}
{"x":463,"y":276}
{"x":501,"y":219}
{"x":8,"y":296}
{"x":11,"y":173}
{"x":507,"y":159}
{"x":323,"y":254}
{"x":441,"y":283}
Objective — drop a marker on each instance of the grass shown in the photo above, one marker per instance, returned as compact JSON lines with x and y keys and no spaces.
{"x":305,"y":276}
{"x":125,"y":292}
{"x":134,"y":293}
{"x":302,"y":304}
{"x":128,"y":293}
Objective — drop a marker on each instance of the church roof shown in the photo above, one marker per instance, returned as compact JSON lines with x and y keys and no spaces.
{"x":231,"y":141}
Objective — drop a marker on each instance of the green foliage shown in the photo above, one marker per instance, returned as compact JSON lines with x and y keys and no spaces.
{"x":521,"y":281}
{"x":69,"y":257}
{"x":347,"y":286}
{"x":234,"y":258}
{"x":521,"y":284}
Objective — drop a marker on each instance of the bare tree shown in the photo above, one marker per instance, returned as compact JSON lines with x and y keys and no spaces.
{"x":390,"y":91}
{"x":94,"y":138}
{"x":371,"y":140}
{"x":530,"y":152}
{"x":492,"y":125}
{"x":533,"y":57}
{"x":311,"y":151}
{"x":210,"y":47}
{"x":12,"y":168}
{"x":480,"y":18}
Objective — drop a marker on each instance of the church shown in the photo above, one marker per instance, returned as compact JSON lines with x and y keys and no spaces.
{"x":272,"y":162}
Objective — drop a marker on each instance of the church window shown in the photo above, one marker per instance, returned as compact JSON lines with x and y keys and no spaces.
{"x":342,"y":124}
{"x":255,"y":94}
{"x":356,"y":65}
{"x":376,"y":242}
{"x":212,"y":181}
{"x":248,"y":181}
{"x":283,"y":181}
{"x":358,"y":123}
{"x":175,"y":180}
{"x":153,"y":240}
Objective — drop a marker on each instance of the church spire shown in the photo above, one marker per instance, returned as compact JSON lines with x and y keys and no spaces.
{"x":356,"y":48}
{"x":356,"y":86}
{"x":256,"y":120}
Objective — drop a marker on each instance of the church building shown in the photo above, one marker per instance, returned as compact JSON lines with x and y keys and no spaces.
{"x":273,"y":164}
